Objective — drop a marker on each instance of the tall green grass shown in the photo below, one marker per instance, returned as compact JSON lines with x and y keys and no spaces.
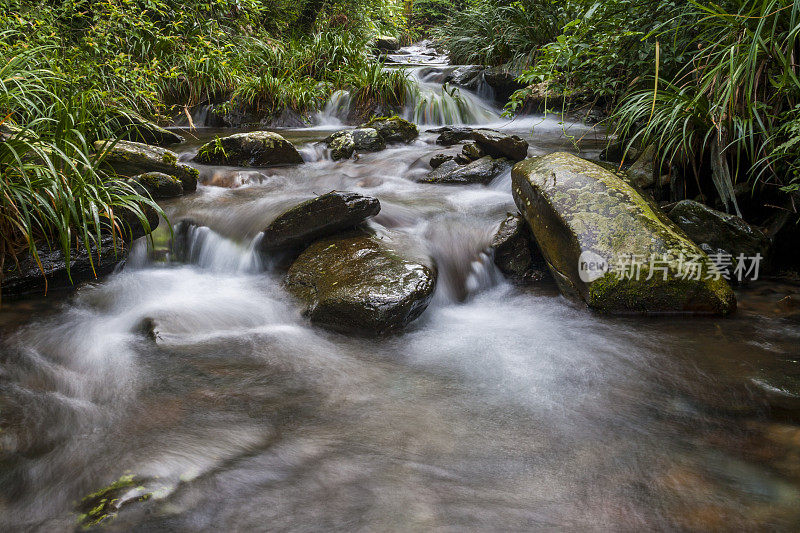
{"x":53,"y":191}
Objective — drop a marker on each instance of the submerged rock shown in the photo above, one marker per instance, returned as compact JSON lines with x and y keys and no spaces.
{"x":344,"y":143}
{"x":718,"y":232}
{"x":159,"y":185}
{"x":104,"y":505}
{"x":133,"y":127}
{"x":253,"y":149}
{"x":515,"y":252}
{"x":361,"y":283}
{"x":318,"y":217}
{"x":394,"y":129}
{"x":131,"y":158}
{"x":602,"y":241}
{"x":482,"y":171}
{"x":498,"y":144}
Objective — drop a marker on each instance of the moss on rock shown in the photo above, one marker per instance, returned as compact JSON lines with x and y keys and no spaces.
{"x":575,"y":207}
{"x":253,"y":149}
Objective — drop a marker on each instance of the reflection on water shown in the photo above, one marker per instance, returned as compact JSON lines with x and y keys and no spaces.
{"x":501,"y":408}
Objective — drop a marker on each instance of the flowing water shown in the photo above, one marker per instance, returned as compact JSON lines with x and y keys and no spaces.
{"x":501,"y":408}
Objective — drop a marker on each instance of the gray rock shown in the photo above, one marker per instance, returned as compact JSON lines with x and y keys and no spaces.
{"x":317,"y":218}
{"x":393,"y":129}
{"x":450,"y":135}
{"x":504,"y":80}
{"x":439,"y":159}
{"x":467,"y":76}
{"x":253,"y":149}
{"x":386,"y":43}
{"x":472,"y":151}
{"x":718,"y":232}
{"x":362,"y":283}
{"x":642,"y":172}
{"x":345,"y":142}
{"x":516,"y":253}
{"x":482,"y":171}
{"x":342,"y":145}
{"x":501,"y":145}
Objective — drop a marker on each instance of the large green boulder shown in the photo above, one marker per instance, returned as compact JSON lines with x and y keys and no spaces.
{"x":362,"y":283}
{"x":253,"y":149}
{"x":611,"y":248}
{"x":131,"y":158}
{"x":316,"y":218}
{"x":159,"y":185}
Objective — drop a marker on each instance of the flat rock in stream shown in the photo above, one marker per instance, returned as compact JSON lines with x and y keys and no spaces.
{"x":450,"y":135}
{"x":131,"y":158}
{"x":608,"y":246}
{"x":362,"y":283}
{"x":253,"y":149}
{"x":316,"y":218}
{"x":482,"y":171}
{"x":498,"y":144}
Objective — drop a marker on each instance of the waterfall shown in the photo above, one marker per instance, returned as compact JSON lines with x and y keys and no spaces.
{"x":431,"y":103}
{"x":335,"y":111}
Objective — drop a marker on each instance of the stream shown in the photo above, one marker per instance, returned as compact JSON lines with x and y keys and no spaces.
{"x":500,"y":408}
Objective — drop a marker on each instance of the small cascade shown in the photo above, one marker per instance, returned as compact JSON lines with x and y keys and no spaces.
{"x":431,"y":103}
{"x":198,"y":114}
{"x":203,"y":247}
{"x":335,"y":111}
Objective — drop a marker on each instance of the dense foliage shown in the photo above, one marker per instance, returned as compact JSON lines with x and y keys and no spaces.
{"x":713,"y":85}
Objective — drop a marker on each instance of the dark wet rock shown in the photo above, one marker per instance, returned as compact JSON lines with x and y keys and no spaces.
{"x":393,"y":129}
{"x":317,"y":218}
{"x":482,"y":171}
{"x":642,"y":172}
{"x":472,"y":151}
{"x":450,"y":135}
{"x":438,"y":159}
{"x":718,"y":232}
{"x":386,"y":43}
{"x":159,"y":185}
{"x":130,"y":158}
{"x":362,"y":283}
{"x":580,"y":213}
{"x":501,"y":145}
{"x":516,"y":253}
{"x":131,"y":126}
{"x":344,"y":143}
{"x":253,"y":149}
{"x":503,"y":80}
{"x":461,"y":159}
{"x":467,"y":76}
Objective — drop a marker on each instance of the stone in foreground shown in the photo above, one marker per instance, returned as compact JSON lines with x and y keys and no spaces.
{"x":130,"y":158}
{"x":582,"y":214}
{"x":394,"y":129}
{"x":718,"y":232}
{"x":316,"y":218}
{"x":253,"y":149}
{"x":362,"y":283}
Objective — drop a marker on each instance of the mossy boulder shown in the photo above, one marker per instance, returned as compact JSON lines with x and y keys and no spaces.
{"x":131,"y":158}
{"x":344,"y":143}
{"x":515,"y":252}
{"x":160,"y":185}
{"x":482,"y":171}
{"x":362,"y":283}
{"x":393,"y":129}
{"x":253,"y":149}
{"x":602,"y":241}
{"x":316,"y":218}
{"x":718,"y":232}
{"x":498,"y":144}
{"x":439,"y":159}
{"x":386,"y":43}
{"x":472,"y":151}
{"x":133,"y":127}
